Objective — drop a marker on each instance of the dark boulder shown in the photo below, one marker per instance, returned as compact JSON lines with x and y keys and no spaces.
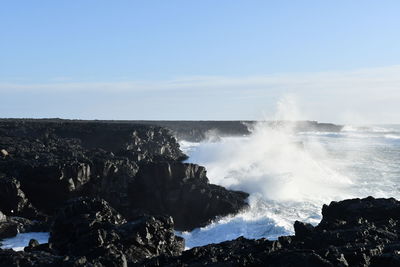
{"x":182,"y":190}
{"x":80,"y":221}
{"x":352,"y":210}
{"x":12,"y":258}
{"x":8,"y":229}
{"x":303,"y":230}
{"x":91,"y":228}
{"x":13,"y":201}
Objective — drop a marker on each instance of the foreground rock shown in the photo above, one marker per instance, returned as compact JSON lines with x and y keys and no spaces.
{"x":88,"y":232}
{"x":47,"y":163}
{"x":91,"y":228}
{"x":357,"y":232}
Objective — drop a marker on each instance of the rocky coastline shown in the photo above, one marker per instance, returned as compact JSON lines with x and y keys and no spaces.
{"x":113,"y":193}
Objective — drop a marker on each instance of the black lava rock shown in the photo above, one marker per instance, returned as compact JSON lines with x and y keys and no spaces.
{"x":48,"y":162}
{"x":182,"y":191}
{"x":355,"y":232}
{"x":91,"y":228}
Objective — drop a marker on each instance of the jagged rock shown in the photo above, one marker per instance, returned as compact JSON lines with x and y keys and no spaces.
{"x":125,"y":164}
{"x":182,"y":191}
{"x":80,"y":217}
{"x":356,"y":232}
{"x":303,"y":230}
{"x":8,"y":229}
{"x":57,"y":160}
{"x":102,"y":238}
{"x":352,"y":210}
{"x":91,"y":228}
{"x":33,"y":243}
{"x":13,"y":201}
{"x":12,"y":258}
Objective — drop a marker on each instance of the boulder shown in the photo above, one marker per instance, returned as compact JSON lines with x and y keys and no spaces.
{"x":182,"y":191}
{"x":13,"y":201}
{"x":352,"y":210}
{"x":8,"y":229}
{"x":91,"y":228}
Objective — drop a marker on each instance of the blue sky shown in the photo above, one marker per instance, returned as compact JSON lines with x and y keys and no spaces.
{"x":200,"y":59}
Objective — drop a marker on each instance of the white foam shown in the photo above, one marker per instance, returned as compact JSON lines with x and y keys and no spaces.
{"x":273,"y":163}
{"x":290,"y":176}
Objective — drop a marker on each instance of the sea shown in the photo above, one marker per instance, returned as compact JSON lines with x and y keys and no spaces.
{"x":289,"y":176}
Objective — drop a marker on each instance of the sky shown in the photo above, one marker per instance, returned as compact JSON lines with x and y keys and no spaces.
{"x":338,"y":61}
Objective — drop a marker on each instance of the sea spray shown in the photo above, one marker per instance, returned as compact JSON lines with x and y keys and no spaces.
{"x":290,"y":174}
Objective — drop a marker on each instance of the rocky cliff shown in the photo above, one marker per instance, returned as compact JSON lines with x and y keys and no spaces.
{"x":137,"y":168}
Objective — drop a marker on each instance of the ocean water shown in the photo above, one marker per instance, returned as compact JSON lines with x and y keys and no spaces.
{"x":291,"y":175}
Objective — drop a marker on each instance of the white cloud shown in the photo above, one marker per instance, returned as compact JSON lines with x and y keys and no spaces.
{"x":372,"y":94}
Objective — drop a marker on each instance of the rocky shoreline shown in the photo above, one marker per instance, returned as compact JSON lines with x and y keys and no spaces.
{"x":113,"y":193}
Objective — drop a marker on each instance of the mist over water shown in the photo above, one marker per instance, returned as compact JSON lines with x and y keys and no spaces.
{"x":291,"y":175}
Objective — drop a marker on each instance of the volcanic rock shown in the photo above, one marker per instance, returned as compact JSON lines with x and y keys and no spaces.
{"x":182,"y":191}
{"x":91,"y":228}
{"x":355,"y":232}
{"x":128,"y":165}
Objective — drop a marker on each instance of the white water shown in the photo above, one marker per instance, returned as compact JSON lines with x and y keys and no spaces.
{"x":291,"y":175}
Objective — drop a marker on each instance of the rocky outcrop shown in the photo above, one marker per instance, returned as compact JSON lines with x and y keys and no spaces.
{"x":48,"y":163}
{"x":356,"y":232}
{"x":183,"y":191}
{"x":55,"y":160}
{"x":89,"y":232}
{"x":13,"y":201}
{"x":91,"y":228}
